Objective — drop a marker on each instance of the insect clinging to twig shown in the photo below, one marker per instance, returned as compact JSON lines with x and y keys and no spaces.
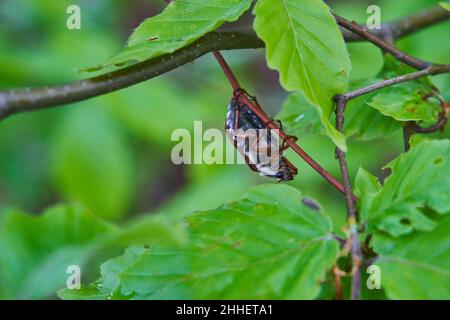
{"x":253,"y":139}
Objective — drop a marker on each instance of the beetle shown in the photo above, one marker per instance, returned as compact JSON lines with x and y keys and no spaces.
{"x":244,"y":128}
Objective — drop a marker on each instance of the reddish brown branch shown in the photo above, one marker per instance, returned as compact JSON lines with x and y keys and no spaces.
{"x":227,"y":70}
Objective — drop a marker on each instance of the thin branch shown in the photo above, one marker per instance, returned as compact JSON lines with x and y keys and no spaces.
{"x":341,"y":103}
{"x":439,"y":125}
{"x":411,"y":127}
{"x":417,"y":21}
{"x":271,"y":124}
{"x":399,"y":55}
{"x":404,"y":26}
{"x":30,"y":99}
{"x":425,"y":69}
{"x":352,"y":215}
{"x":432,"y":70}
{"x":356,"y":263}
{"x":14,"y":101}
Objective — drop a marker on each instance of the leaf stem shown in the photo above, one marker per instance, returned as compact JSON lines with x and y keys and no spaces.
{"x":412,"y":127}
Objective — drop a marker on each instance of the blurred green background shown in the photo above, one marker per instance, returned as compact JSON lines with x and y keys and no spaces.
{"x":111,"y":154}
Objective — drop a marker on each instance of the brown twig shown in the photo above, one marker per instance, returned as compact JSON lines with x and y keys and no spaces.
{"x":30,"y":99}
{"x":341,"y":103}
{"x":432,"y":70}
{"x":424,"y":69}
{"x":417,"y":21}
{"x":399,"y":55}
{"x":411,"y":127}
{"x":404,"y":26}
{"x":352,"y":216}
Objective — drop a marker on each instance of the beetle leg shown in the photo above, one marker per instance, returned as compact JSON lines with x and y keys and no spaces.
{"x":236,"y":119}
{"x":290,"y":166}
{"x":280,"y":124}
{"x":256,"y":102}
{"x":250,"y":165}
{"x":285,"y":146}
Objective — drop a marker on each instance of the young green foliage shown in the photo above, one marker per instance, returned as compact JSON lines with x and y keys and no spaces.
{"x":36,"y":250}
{"x":445,"y":5}
{"x":300,"y":117}
{"x":374,"y":115}
{"x":92,"y":163}
{"x":417,"y":265}
{"x":180,"y":24}
{"x":266,"y":245}
{"x":419,"y":181}
{"x":407,"y":102}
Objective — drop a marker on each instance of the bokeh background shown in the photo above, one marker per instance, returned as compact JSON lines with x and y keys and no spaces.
{"x":112,"y":153}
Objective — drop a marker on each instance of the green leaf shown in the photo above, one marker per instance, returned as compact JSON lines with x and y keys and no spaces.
{"x":266,"y":245}
{"x":299,"y":116}
{"x":107,"y":286}
{"x":180,"y":24}
{"x":306,"y":46}
{"x":445,"y":5}
{"x":381,"y":113}
{"x":406,"y":103}
{"x":92,"y":163}
{"x":366,"y":122}
{"x":36,"y":250}
{"x":416,"y":266}
{"x":419,"y":181}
